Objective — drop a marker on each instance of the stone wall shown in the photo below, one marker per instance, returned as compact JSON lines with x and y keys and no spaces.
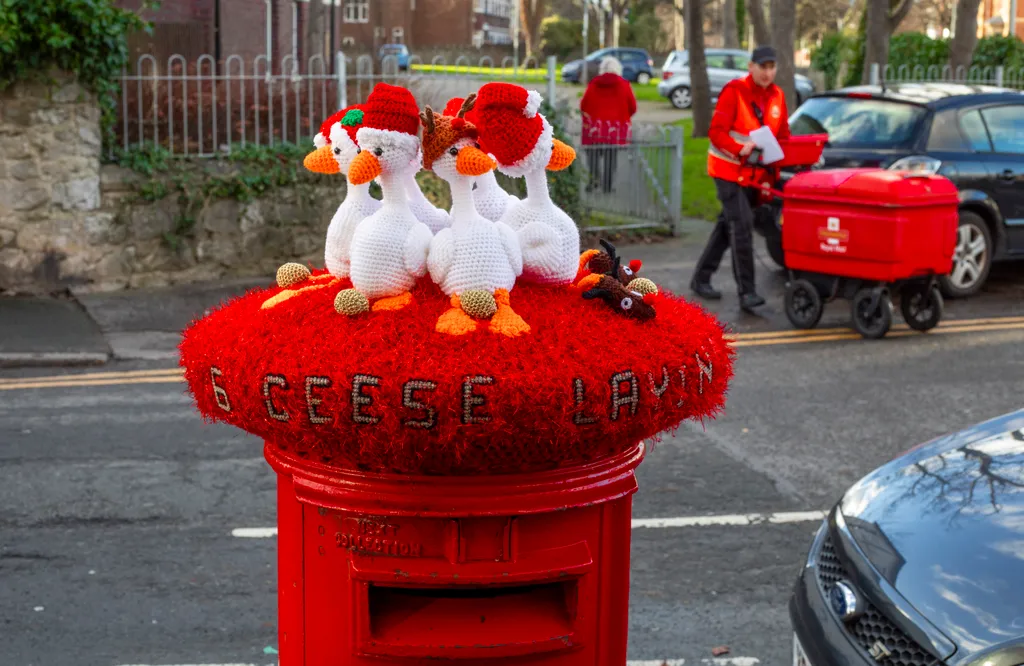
{"x":68,"y":221}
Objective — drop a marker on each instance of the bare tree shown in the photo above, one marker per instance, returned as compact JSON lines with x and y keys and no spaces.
{"x":784,"y":40}
{"x":965,"y":36}
{"x":762,"y":35}
{"x":883,"y":17}
{"x":700,"y":86}
{"x":316,"y":29}
{"x":531,"y":13}
{"x":619,"y":8}
{"x":730,"y":34}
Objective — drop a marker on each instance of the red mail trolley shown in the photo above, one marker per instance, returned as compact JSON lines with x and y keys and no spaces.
{"x":860,"y":234}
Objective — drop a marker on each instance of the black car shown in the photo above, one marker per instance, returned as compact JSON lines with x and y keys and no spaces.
{"x":973,"y":135}
{"x":637,"y":65}
{"x":922,"y":561}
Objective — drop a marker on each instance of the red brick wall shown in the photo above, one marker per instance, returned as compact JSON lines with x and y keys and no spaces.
{"x":447,"y":23}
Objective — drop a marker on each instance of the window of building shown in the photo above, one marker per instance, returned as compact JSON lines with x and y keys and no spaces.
{"x":357,"y":11}
{"x":398,"y":35}
{"x":348,"y":41}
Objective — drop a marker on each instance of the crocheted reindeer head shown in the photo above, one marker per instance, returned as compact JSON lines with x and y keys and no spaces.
{"x":627,"y":295}
{"x":450,"y":144}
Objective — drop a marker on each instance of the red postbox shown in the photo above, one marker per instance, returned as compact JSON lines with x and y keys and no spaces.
{"x":465,"y":499}
{"x":528,"y":568}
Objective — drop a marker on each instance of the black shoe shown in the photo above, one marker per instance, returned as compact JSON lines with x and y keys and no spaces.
{"x":751,"y":300}
{"x":705,"y":290}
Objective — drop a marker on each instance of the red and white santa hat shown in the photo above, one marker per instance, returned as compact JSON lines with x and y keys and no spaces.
{"x":511,"y":130}
{"x":339,"y":126}
{"x":390,"y":112}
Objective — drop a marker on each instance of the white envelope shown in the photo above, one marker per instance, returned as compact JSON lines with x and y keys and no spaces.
{"x":769,"y":145}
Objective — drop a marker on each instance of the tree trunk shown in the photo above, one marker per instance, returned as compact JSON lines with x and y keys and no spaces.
{"x":965,"y":36}
{"x":700,"y":85}
{"x":316,"y":28}
{"x":731,"y":34}
{"x":531,"y":14}
{"x":762,"y":35}
{"x":882,"y":21}
{"x":784,"y":41}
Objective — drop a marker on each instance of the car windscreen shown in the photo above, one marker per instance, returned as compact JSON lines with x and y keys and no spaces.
{"x":853,"y":122}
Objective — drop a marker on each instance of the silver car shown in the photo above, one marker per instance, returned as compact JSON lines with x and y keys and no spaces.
{"x":724,"y":65}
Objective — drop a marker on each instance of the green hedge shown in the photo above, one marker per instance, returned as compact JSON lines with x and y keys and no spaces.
{"x":85,"y":37}
{"x":910,"y":50}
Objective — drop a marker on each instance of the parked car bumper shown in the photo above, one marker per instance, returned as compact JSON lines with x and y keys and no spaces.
{"x":664,"y":88}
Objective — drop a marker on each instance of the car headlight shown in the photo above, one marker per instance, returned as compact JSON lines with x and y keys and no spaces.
{"x":919,"y":165}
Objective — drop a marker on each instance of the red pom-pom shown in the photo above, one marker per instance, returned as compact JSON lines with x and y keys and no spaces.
{"x":635,"y":265}
{"x":458,"y":123}
{"x":383,"y":391}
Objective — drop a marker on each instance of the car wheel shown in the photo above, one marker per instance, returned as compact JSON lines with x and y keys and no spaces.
{"x":972,"y":259}
{"x":680,"y":98}
{"x":643,"y":78}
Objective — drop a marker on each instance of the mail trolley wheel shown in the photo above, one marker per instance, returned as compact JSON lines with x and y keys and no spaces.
{"x":871,"y":309}
{"x":803,"y":304}
{"x":921,"y":306}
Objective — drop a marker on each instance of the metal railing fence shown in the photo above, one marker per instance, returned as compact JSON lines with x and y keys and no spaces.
{"x":204,"y":108}
{"x":1000,"y":77}
{"x":630,"y":174}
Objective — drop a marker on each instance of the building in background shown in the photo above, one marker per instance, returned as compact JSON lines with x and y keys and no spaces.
{"x":994,"y":18}
{"x":276,"y":29}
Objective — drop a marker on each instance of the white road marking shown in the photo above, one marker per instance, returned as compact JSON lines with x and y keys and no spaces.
{"x":720,"y":661}
{"x":717,"y":661}
{"x":739,"y":519}
{"x":734,"y":520}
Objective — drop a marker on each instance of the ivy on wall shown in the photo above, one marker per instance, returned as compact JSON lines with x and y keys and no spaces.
{"x":87,"y":38}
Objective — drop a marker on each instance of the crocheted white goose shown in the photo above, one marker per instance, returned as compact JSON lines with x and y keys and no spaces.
{"x":435,"y":218}
{"x":490,"y":199}
{"x":389,"y":248}
{"x":336,"y":148}
{"x":475,"y":261}
{"x":523,"y":143}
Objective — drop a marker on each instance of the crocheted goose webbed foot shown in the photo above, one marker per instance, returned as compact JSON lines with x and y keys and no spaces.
{"x":393,"y":303}
{"x":455,"y":321}
{"x":291,"y":293}
{"x":506,"y":321}
{"x":351,"y":302}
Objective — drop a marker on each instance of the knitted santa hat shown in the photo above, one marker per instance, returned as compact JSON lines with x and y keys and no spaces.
{"x":455,"y":105}
{"x":511,"y":130}
{"x":391,"y":108}
{"x":348,"y":120}
{"x":442,"y":131}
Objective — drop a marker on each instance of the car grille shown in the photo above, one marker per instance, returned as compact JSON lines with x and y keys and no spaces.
{"x":871,"y":627}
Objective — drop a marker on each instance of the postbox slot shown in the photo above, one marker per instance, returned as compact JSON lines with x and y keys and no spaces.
{"x":472,"y":622}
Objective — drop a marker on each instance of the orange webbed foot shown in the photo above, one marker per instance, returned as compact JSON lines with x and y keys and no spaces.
{"x":455,"y":321}
{"x":506,"y":321}
{"x":392,"y":303}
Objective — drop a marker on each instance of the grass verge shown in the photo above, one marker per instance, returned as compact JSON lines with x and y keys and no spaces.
{"x":699,"y":197}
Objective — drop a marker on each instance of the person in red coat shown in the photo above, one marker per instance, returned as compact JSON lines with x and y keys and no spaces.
{"x":608,"y":107}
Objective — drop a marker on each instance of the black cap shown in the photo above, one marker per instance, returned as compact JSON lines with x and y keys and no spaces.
{"x":763,"y":54}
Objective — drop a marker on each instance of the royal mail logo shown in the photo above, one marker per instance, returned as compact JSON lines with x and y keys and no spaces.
{"x":833,"y":236}
{"x":776,"y":112}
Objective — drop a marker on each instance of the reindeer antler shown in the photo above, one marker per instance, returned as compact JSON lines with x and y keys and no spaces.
{"x":427,"y":116}
{"x":467,"y":105}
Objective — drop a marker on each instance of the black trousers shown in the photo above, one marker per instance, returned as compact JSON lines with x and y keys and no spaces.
{"x":734,"y":230}
{"x":601,"y":162}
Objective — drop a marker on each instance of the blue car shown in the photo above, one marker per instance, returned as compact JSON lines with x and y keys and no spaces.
{"x":637,"y":65}
{"x":397,"y":52}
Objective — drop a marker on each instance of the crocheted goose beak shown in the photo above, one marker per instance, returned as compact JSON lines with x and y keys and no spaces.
{"x":321,"y":160}
{"x":561,"y":156}
{"x":474,"y":162}
{"x":364,"y":168}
